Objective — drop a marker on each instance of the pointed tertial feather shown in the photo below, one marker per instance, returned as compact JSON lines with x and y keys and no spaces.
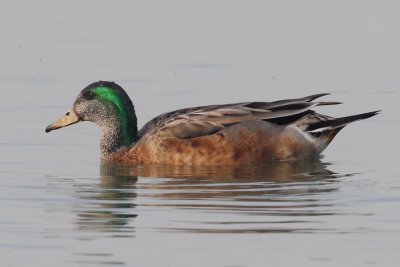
{"x":282,"y":103}
{"x":313,"y":97}
{"x":328,"y":103}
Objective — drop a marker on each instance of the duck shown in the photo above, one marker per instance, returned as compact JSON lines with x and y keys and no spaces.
{"x":238,"y":133}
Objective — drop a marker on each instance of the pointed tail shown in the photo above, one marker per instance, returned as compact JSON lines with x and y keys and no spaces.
{"x":336,"y":123}
{"x":325,"y":131}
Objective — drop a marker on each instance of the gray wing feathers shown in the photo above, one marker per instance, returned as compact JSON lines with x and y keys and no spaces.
{"x":199,"y":121}
{"x":184,"y":128}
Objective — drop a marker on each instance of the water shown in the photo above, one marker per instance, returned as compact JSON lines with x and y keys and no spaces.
{"x":61,"y":206}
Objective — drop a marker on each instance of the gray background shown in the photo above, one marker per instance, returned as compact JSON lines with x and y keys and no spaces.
{"x":174,"y":54}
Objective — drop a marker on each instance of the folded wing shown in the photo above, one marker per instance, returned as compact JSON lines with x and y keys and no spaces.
{"x":200,"y":121}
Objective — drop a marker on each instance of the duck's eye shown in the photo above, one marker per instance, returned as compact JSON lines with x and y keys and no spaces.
{"x":88,"y":95}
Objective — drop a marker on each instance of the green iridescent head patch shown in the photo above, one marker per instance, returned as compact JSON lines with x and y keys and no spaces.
{"x":110,"y":94}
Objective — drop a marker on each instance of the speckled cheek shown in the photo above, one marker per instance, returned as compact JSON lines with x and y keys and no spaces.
{"x":91,"y":110}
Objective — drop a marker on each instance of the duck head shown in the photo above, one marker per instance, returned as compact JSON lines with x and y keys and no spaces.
{"x":107,"y":105}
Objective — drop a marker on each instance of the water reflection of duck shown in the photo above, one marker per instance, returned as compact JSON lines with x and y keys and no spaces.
{"x":108,"y":205}
{"x":273,"y":172}
{"x":210,"y":135}
{"x":204,"y":181}
{"x":280,"y":190}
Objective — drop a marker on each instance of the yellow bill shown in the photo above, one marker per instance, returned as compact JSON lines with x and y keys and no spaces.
{"x":68,"y":119}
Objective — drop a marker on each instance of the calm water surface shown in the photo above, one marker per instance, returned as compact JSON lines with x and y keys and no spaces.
{"x":61,"y":206}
